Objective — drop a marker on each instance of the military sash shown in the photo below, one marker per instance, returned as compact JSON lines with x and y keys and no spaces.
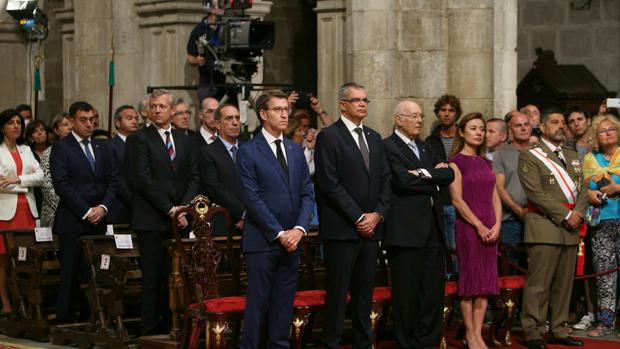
{"x":568,"y":186}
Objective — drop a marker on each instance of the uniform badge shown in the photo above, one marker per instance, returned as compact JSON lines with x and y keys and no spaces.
{"x":552,"y":181}
{"x":576,"y":165}
{"x":524,"y":168}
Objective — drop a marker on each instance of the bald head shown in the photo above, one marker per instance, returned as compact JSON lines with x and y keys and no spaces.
{"x":520,"y":127}
{"x":408,"y":119}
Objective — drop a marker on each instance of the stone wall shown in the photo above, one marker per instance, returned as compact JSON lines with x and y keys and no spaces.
{"x":588,"y":36}
{"x":420,"y":50}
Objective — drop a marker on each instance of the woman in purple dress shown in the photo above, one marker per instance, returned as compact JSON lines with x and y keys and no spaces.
{"x":478,"y":222}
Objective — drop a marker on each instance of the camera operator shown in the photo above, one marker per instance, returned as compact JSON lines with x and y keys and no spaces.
{"x":206,"y":33}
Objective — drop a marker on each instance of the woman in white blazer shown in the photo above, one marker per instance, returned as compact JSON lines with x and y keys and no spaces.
{"x":19,"y":173}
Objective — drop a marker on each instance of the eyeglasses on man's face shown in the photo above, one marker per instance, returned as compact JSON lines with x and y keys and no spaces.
{"x":357,"y":100}
{"x":414,"y":116}
{"x":280,"y":110}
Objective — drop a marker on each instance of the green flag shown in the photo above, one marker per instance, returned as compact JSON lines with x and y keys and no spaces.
{"x":111,"y":81}
{"x":37,"y":79}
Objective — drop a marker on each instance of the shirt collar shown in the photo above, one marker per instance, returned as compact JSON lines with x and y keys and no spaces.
{"x":229,"y":145}
{"x":551,"y":147}
{"x":122,"y":137}
{"x":402,"y":136}
{"x":270,"y":139}
{"x":349,"y":124}
{"x":162,"y":130}
{"x":78,"y":138}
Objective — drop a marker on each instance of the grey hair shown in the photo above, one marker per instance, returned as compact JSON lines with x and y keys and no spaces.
{"x":344,"y":89}
{"x":181,"y":100}
{"x":399,"y":107}
{"x":144,"y":103}
{"x":503,"y":128}
{"x":162,"y":92}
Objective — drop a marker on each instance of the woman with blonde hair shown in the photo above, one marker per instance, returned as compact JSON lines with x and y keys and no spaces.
{"x":601,"y":169}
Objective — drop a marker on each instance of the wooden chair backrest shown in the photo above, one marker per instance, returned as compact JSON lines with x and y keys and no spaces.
{"x":199,"y":265}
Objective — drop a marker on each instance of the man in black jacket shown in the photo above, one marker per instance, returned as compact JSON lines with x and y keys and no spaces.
{"x":448,"y":111}
{"x":413,"y":231}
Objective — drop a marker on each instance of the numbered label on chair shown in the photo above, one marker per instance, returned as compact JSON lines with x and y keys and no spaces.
{"x":21,"y":253}
{"x":105,"y":262}
{"x":43,"y":234}
{"x":109,"y":229}
{"x":123,"y":241}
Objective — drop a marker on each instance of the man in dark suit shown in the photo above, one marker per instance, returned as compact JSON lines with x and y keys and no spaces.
{"x":414,"y":231}
{"x":162,"y":170}
{"x":216,"y":164}
{"x":353,"y":194}
{"x":207,"y":133}
{"x":84,"y":179}
{"x":182,"y":114}
{"x":126,"y":123}
{"x":277,"y":194}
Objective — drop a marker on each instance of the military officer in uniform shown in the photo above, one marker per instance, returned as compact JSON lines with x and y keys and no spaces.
{"x":552,"y":179}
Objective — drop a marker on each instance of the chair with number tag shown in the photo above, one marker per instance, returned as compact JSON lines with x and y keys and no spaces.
{"x":114,"y":280}
{"x":33,"y":282}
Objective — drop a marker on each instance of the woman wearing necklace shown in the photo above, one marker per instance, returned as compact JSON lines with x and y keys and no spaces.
{"x":19,"y":173}
{"x":478,"y":222}
{"x":601,"y":170}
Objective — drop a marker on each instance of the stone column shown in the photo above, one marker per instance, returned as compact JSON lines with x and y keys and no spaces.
{"x":18,"y":83}
{"x":470,"y":54}
{"x":373,"y":56}
{"x":331,"y":20}
{"x":423,"y":46}
{"x":505,"y":82}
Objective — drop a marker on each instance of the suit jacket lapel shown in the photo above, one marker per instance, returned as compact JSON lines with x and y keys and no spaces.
{"x":154,"y":137}
{"x":263,"y":146}
{"x":8,"y":158}
{"x":224,"y":154}
{"x":405,"y":150}
{"x":79,"y":149}
{"x":348,"y":138}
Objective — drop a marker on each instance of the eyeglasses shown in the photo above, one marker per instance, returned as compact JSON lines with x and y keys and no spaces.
{"x":356,"y":100}
{"x":414,"y":116}
{"x":186,"y":113}
{"x":607,"y":131}
{"x":279,"y":110}
{"x":210,"y":111}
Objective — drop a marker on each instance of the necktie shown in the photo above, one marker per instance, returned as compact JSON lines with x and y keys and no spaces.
{"x":233,"y":151}
{"x":169,"y":146}
{"x":213,"y":137}
{"x":89,"y":155}
{"x":280,"y":156}
{"x":557,"y":153}
{"x":414,"y":147}
{"x":363,"y":146}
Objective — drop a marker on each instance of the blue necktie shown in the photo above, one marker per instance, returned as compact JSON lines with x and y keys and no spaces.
{"x":233,"y":151}
{"x":89,"y":155}
{"x":414,"y":147}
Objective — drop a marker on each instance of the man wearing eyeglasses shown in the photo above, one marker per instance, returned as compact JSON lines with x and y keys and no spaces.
{"x":417,"y":257}
{"x":181,"y":116}
{"x":277,"y":194}
{"x":208,"y":127}
{"x":353,"y":194}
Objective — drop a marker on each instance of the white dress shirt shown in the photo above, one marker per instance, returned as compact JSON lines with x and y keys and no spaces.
{"x":351,"y":127}
{"x":208,"y":136}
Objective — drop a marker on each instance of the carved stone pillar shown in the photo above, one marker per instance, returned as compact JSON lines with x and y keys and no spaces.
{"x":331,"y":51}
{"x":14,"y":50}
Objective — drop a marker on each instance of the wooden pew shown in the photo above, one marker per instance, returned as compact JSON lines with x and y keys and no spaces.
{"x":114,"y":277}
{"x":33,"y":275}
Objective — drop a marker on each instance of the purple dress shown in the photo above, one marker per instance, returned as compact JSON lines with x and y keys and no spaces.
{"x":477,"y":261}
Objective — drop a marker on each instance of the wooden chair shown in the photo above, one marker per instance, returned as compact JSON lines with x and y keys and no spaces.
{"x":199,"y":289}
{"x":33,"y":274}
{"x":510,"y":290}
{"x":114,"y":277}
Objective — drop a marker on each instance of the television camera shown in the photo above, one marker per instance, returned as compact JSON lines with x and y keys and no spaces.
{"x":240,"y":39}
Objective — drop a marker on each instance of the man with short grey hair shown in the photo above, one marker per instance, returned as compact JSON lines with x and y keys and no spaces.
{"x":163,"y":177}
{"x":353,"y":194}
{"x":417,"y":260}
{"x":496,"y":136}
{"x":181,"y":116}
